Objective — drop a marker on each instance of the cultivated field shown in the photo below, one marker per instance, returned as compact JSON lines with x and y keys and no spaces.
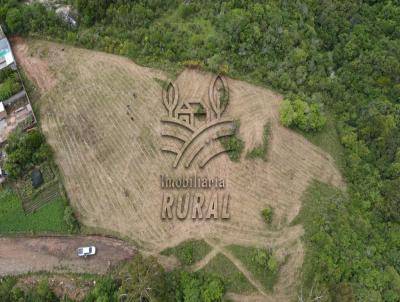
{"x":102,"y":113}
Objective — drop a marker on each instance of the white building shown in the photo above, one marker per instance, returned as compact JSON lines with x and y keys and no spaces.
{"x":3,"y":113}
{"x":6,"y":55}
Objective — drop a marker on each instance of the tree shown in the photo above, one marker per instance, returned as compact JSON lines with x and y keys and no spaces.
{"x":197,"y":287}
{"x":105,"y":291}
{"x":43,"y":153}
{"x":300,"y":114}
{"x":15,"y":20}
{"x":44,"y":293}
{"x":70,"y":219}
{"x":24,"y":150}
{"x":391,"y":203}
{"x":142,"y":280}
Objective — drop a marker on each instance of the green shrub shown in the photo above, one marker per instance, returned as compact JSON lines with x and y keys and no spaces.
{"x":10,"y":291}
{"x":24,"y":150}
{"x":10,"y":87}
{"x":260,"y":262}
{"x":189,"y":252}
{"x":267,"y":215}
{"x":224,"y":98}
{"x":262,"y":150}
{"x":141,"y":277}
{"x":105,"y":290}
{"x":6,"y":286}
{"x":70,"y":220}
{"x":197,"y":287}
{"x":272,"y":264}
{"x":233,"y":145}
{"x":233,"y":278}
{"x":5,"y":74}
{"x":43,"y":292}
{"x":301,"y":115}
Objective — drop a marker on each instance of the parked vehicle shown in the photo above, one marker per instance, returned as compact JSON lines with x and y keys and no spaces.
{"x":86,"y":251}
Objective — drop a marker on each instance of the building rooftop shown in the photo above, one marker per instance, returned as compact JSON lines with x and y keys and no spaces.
{"x":6,"y":55}
{"x":2,"y":107}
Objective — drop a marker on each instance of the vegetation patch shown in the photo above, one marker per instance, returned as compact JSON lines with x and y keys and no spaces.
{"x":141,"y":279}
{"x":48,"y":219}
{"x":260,"y":262}
{"x":24,"y":150}
{"x":233,"y":279}
{"x":34,"y":198}
{"x":328,"y":140}
{"x":299,"y":114}
{"x":189,"y":252}
{"x":10,"y":83}
{"x":261,"y":151}
{"x":224,"y":98}
{"x":267,"y":214}
{"x":233,"y":144}
{"x":10,"y":291}
{"x":326,"y":218}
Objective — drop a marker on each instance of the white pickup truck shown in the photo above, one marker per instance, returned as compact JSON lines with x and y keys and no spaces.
{"x":86,"y":251}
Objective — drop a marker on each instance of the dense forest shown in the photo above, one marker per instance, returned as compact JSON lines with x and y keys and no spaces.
{"x":341,"y":57}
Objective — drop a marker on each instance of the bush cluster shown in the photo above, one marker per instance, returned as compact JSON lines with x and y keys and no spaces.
{"x":24,"y":150}
{"x":299,"y":114}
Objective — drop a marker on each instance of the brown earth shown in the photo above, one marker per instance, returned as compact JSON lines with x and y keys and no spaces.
{"x":20,"y":255}
{"x":38,"y":68}
{"x":101,"y":113}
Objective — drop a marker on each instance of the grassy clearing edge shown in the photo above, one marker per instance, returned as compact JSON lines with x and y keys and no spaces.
{"x":189,"y":252}
{"x":234,"y":280}
{"x":245,"y":254}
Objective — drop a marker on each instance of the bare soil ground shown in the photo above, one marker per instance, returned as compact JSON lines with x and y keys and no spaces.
{"x":59,"y":254}
{"x":101,"y":113}
{"x":38,"y":68}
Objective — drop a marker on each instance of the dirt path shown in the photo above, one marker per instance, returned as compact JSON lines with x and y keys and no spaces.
{"x":239,"y":265}
{"x":203,"y":262}
{"x":38,"y":69}
{"x":58,"y":254}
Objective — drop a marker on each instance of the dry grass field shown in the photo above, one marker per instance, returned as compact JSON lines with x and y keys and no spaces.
{"x":101,"y":113}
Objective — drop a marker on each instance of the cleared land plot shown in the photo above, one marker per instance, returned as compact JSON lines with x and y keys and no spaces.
{"x":59,"y":254}
{"x":101,"y":113}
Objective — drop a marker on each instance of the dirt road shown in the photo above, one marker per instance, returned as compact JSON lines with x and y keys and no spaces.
{"x":58,"y":254}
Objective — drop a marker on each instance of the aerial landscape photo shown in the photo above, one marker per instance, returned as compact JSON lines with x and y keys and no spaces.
{"x":199,"y":151}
